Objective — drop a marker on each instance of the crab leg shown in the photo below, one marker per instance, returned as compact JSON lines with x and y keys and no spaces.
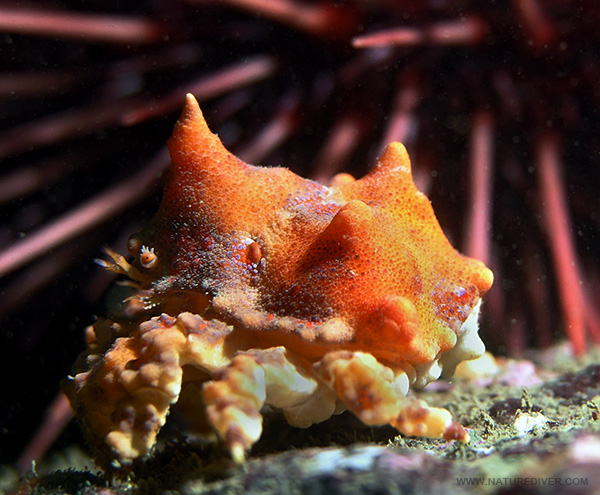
{"x":237,"y":393}
{"x":377,"y":395}
{"x":137,"y":381}
{"x":124,"y":398}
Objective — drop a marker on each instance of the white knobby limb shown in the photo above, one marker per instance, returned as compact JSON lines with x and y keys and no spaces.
{"x":377,"y":395}
{"x":256,"y":377}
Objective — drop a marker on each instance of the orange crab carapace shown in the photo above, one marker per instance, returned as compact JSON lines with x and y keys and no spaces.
{"x":257,"y":287}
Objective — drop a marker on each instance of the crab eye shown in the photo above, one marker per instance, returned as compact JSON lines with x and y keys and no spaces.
{"x":148,"y":258}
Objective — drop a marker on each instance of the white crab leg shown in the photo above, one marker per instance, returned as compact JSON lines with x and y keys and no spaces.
{"x":377,"y":395}
{"x":256,"y":377}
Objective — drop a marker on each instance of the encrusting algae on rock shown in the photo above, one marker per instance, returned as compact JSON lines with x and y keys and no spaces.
{"x":254,"y":286}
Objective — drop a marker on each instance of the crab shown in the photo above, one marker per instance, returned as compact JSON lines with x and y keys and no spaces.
{"x":255,"y":287}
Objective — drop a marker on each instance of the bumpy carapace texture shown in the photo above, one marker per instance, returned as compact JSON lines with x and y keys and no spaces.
{"x":282,"y":291}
